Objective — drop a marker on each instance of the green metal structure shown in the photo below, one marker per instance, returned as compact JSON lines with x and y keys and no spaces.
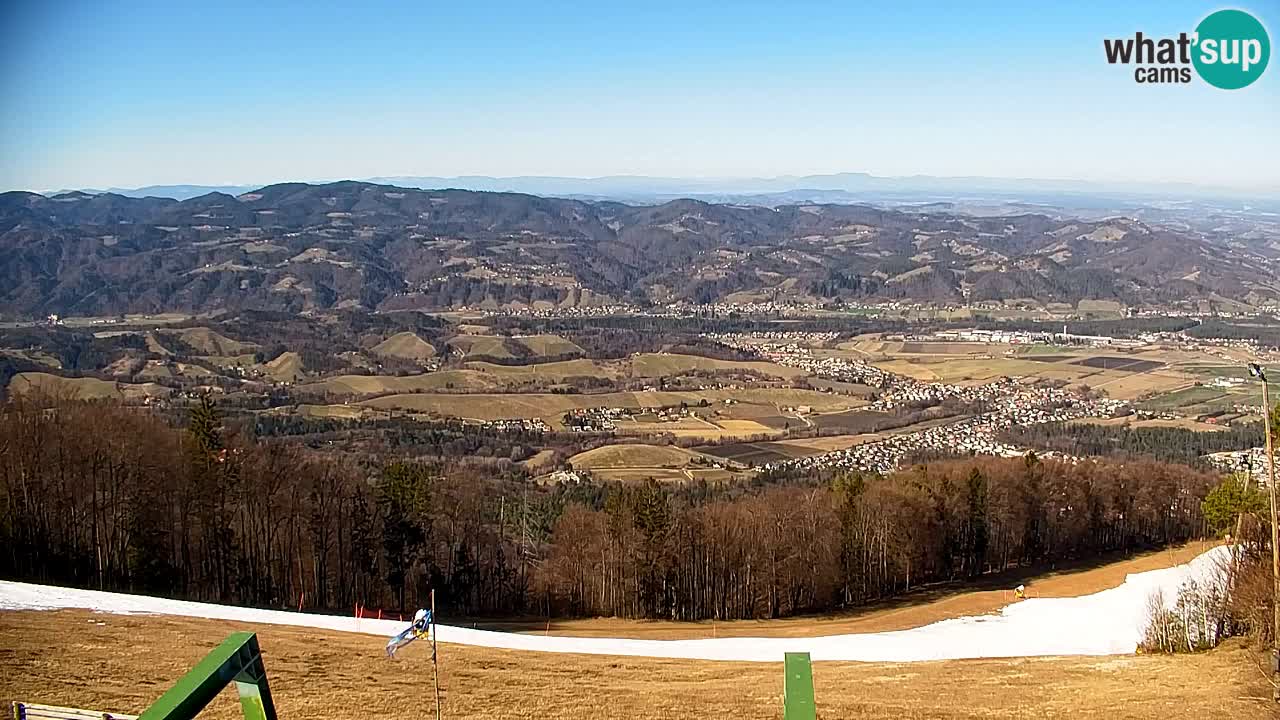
{"x":797,"y":689}
{"x":237,"y":660}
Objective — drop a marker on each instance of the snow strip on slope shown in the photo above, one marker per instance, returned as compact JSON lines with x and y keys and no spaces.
{"x":1110,"y":622}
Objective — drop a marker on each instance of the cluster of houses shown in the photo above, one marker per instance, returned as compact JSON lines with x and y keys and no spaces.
{"x":606,"y":419}
{"x":1251,"y":462}
{"x":514,"y":425}
{"x":792,"y":350}
{"x":578,"y":311}
{"x":1009,"y":403}
{"x":593,"y":419}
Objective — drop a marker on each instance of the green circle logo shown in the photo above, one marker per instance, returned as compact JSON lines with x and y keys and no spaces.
{"x":1232,"y":49}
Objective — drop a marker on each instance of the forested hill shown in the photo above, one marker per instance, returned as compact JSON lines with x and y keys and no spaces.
{"x":294,"y":247}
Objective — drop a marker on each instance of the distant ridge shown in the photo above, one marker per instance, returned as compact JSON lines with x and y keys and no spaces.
{"x":836,"y":187}
{"x":174,"y":192}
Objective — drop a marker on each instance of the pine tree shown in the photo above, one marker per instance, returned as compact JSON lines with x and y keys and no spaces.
{"x":204,"y":428}
{"x":1229,"y":500}
{"x":848,"y":489}
{"x":405,"y":501}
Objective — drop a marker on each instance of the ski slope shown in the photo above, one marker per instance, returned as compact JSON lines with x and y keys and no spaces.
{"x":1110,"y":622}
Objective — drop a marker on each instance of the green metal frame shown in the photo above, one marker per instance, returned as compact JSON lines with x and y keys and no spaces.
{"x":797,"y":689}
{"x":237,"y":660}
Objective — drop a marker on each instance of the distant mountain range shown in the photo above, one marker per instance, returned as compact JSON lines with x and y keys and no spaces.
{"x":831,"y":188}
{"x":357,"y":245}
{"x":173,"y":192}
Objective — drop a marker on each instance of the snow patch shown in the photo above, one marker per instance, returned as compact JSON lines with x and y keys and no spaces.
{"x":1110,"y":622}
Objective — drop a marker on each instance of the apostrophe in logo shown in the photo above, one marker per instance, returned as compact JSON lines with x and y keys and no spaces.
{"x":1229,"y":49}
{"x":1232,"y":49}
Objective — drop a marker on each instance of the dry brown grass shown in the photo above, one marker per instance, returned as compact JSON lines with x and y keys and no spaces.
{"x":473,"y":346}
{"x":210,"y":342}
{"x":405,"y":345}
{"x":549,"y":345}
{"x":632,"y":455}
{"x":660,"y":364}
{"x":548,"y":372}
{"x":122,"y":663}
{"x":85,"y":388}
{"x":453,"y":380}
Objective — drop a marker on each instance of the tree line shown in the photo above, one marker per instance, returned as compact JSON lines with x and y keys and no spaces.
{"x":1173,"y":444}
{"x":114,"y":498}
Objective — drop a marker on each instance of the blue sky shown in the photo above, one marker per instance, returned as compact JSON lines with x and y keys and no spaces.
{"x":97,"y":94}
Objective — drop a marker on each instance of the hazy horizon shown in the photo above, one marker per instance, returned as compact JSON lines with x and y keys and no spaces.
{"x":742,"y":185}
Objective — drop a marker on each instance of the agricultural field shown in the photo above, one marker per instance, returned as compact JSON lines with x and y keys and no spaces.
{"x":1216,"y":371}
{"x":84,"y":388}
{"x":755,"y":453}
{"x":749,"y":453}
{"x":1125,"y":364}
{"x":39,"y":357}
{"x":544,"y":346}
{"x":468,"y":380}
{"x":1203,"y":400}
{"x":1186,"y":398}
{"x":208,"y":342}
{"x":337,"y":412}
{"x":968,"y":370}
{"x":1101,"y":308}
{"x":547,"y":372}
{"x":663,"y":364}
{"x":1125,"y":375}
{"x":694,"y":427}
{"x":530,"y":347}
{"x":640,"y":475}
{"x":1041,"y":349}
{"x":830,"y":443}
{"x":633,"y":455}
{"x":1134,"y":386}
{"x":744,"y":403}
{"x":950,"y":348}
{"x":490,"y":346}
{"x":286,"y":368}
{"x":231,"y":362}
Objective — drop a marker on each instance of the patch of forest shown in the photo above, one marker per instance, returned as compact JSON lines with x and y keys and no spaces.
{"x":1172,"y":444}
{"x":111,"y":497}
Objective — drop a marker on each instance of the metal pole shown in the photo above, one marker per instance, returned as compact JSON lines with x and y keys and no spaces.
{"x":435,"y":666}
{"x":1275,"y":543}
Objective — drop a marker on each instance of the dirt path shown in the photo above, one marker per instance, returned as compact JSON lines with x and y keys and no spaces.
{"x":122,"y":663}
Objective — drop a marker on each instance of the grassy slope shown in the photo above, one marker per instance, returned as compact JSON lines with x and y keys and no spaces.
{"x":122,"y":663}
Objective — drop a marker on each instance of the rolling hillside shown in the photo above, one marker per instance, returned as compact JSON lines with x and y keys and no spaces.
{"x":295,"y":247}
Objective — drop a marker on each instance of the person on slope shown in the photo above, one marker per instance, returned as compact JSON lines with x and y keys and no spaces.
{"x":421,"y":627}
